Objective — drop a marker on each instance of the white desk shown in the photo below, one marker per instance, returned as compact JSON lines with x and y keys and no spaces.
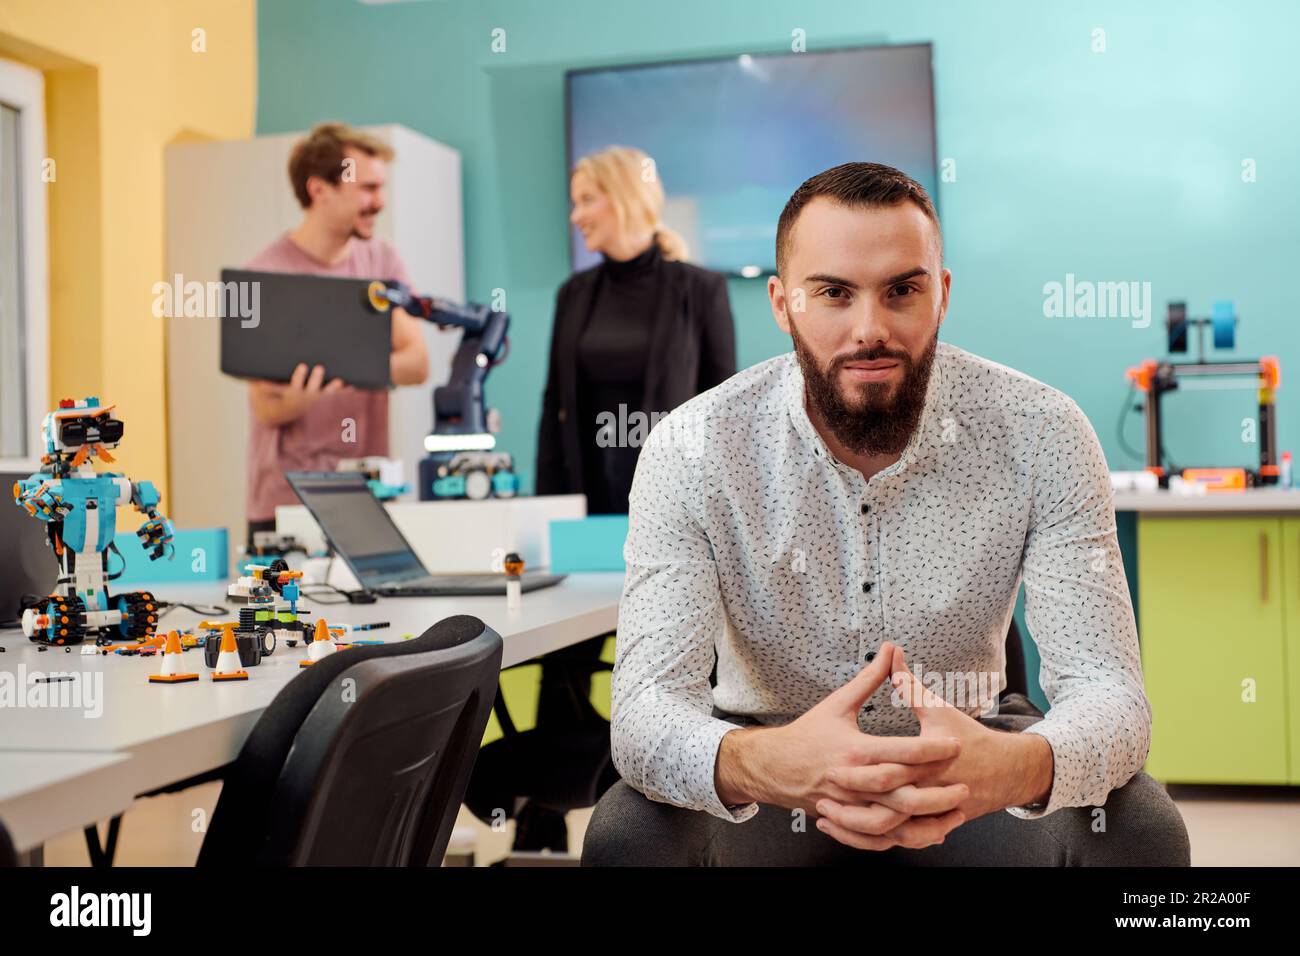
{"x":172,"y":732}
{"x":45,"y":794}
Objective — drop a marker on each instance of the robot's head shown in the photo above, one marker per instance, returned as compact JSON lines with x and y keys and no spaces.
{"x":74,"y":425}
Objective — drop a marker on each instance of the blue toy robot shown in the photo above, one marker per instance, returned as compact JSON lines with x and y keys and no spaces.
{"x":79,"y":508}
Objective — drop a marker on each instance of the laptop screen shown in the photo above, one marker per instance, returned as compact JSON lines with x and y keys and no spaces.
{"x":358,"y":526}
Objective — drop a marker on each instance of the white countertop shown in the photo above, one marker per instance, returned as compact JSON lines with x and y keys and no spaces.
{"x":1249,"y":501}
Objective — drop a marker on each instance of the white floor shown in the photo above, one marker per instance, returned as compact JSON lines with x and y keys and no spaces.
{"x":1229,"y":826}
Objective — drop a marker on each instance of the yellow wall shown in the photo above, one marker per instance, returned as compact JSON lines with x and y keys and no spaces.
{"x":122,"y":81}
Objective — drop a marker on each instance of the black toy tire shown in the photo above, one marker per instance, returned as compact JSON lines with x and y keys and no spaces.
{"x":139,"y":615}
{"x":74,"y":609}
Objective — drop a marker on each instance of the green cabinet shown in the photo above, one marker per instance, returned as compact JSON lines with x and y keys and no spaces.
{"x":1291,"y":595}
{"x":1219,"y":610}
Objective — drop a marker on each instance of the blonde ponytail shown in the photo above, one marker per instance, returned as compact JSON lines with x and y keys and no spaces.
{"x":671,"y":243}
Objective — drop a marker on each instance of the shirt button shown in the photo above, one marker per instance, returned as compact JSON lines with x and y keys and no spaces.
{"x":871,"y":656}
{"x":866,"y":508}
{"x":866,"y":587}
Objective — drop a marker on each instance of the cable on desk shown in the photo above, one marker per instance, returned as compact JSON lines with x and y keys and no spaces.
{"x":359,"y":596}
{"x":216,"y":610}
{"x":316,"y":590}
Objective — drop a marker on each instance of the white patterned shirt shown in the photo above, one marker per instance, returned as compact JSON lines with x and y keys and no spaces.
{"x":749,"y":539}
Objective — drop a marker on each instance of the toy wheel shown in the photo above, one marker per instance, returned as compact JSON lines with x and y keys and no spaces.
{"x":139,"y":614}
{"x":266,"y":637}
{"x":67,"y":622}
{"x":271,"y":574}
{"x":478,"y":486}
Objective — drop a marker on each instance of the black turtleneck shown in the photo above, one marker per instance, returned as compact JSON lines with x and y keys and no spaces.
{"x":612,"y":354}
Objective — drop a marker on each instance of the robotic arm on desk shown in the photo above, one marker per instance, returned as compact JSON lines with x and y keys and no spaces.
{"x":461,"y":461}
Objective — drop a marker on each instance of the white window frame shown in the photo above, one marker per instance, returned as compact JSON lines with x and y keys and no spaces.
{"x":23,"y":88}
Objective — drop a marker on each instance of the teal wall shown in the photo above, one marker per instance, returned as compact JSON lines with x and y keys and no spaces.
{"x":1122,"y":165}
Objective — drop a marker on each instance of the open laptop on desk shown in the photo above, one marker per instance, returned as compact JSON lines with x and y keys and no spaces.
{"x":361,"y":530}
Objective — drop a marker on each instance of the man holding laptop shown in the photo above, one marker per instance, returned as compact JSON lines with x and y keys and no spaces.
{"x":310,"y":423}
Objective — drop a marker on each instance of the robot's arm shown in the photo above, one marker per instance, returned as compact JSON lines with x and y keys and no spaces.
{"x":458,"y":405}
{"x":474,"y":319}
{"x":157,"y":533}
{"x":41,"y":496}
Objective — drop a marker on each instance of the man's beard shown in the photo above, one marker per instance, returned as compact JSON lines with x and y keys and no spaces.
{"x":875,"y":424}
{"x":359,"y":233}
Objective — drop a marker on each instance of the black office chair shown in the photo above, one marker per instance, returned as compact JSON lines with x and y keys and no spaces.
{"x":363,"y":758}
{"x":564,"y":763}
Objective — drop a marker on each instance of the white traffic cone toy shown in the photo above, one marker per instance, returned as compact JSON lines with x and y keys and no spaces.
{"x":229,"y":666}
{"x":173,"y":663}
{"x":321,"y":647}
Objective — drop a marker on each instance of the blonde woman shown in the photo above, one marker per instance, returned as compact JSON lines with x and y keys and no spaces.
{"x":633,"y":337}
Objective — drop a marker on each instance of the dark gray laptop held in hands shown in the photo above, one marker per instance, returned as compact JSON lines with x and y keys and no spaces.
{"x":27,"y":562}
{"x":361,"y":530}
{"x":319,"y":320}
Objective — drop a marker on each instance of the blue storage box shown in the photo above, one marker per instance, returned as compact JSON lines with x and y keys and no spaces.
{"x":202,"y":554}
{"x":594,"y":543}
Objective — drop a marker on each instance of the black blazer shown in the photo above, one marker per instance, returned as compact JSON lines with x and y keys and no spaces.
{"x":692,"y":349}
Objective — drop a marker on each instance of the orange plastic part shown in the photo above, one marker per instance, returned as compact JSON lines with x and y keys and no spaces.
{"x":1143,"y":375}
{"x":1270,"y":372}
{"x":1217,"y":479}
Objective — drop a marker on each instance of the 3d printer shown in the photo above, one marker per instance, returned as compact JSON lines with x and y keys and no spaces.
{"x":1155,"y":378}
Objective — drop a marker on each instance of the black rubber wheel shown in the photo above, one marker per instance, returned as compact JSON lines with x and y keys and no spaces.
{"x":139,"y":614}
{"x":68,"y":615}
{"x":273,"y":572}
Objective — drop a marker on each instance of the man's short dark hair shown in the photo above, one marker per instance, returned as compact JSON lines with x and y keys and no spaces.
{"x":320,"y":153}
{"x":855,"y":185}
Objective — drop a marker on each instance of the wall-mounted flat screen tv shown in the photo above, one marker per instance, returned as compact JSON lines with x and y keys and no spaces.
{"x":732,"y":137}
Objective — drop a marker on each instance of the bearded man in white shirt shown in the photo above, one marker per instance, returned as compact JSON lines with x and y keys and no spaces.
{"x":839,"y":526}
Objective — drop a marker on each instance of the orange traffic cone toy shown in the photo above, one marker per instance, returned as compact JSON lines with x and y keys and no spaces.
{"x":229,"y":666}
{"x":173,"y":663}
{"x":321,"y":647}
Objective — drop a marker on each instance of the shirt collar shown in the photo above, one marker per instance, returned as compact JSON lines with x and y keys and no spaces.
{"x":794,"y":399}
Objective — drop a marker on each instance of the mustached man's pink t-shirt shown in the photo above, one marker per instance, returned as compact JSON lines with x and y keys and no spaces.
{"x":316,"y":441}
